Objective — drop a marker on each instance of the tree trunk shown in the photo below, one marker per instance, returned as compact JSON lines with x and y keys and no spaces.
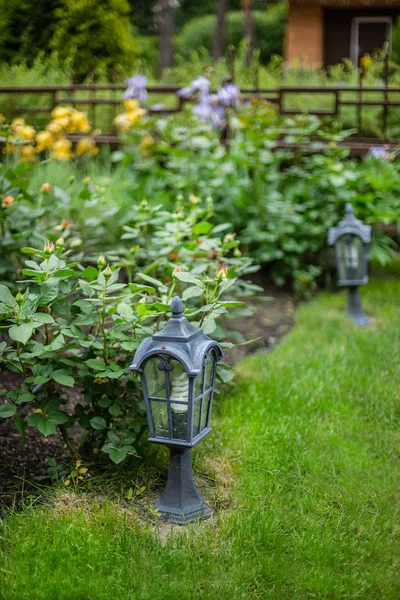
{"x":166,"y":23}
{"x":219,"y":41}
{"x":247,"y":6}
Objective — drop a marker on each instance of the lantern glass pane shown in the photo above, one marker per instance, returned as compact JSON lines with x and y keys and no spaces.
{"x":198,"y":385}
{"x":210,"y":365}
{"x":155,"y":378}
{"x":350,"y":258}
{"x":160,"y":418}
{"x":206,"y":402}
{"x":196,"y":418}
{"x":179,"y":394}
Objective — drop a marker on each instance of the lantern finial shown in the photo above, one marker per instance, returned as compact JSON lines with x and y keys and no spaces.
{"x":176,"y":307}
{"x":349,"y":208}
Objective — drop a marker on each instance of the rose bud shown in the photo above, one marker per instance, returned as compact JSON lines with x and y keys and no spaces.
{"x":7,"y":201}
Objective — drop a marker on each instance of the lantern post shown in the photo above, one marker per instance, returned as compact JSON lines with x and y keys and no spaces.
{"x":177,"y":367}
{"x":351,"y":239}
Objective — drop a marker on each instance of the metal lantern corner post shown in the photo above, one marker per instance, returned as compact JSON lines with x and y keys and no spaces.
{"x":351,"y":239}
{"x":177,"y":367}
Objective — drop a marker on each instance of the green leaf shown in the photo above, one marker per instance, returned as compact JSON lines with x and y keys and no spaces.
{"x":65,"y":273}
{"x":7,"y":410}
{"x":6,"y":297}
{"x":21,"y":333}
{"x":43,"y":318}
{"x":62,"y":377}
{"x":117,"y":455}
{"x":202,"y":228}
{"x":86,"y":288}
{"x":98,"y":423}
{"x":225,"y":285}
{"x":137,"y":287}
{"x":45,"y":425}
{"x":20,"y":425}
{"x":90,"y":273}
{"x":188,"y":278}
{"x":209,"y":326}
{"x":231,"y":304}
{"x":33,"y":251}
{"x":58,"y":417}
{"x":158,"y":284}
{"x":124,"y":310}
{"x":114,"y":410}
{"x":113,"y":437}
{"x":26,"y":397}
{"x":192,"y":292}
{"x":225,"y":375}
{"x":97,"y":365}
{"x":40,"y":380}
{"x":56,"y":344}
{"x":104,"y":402}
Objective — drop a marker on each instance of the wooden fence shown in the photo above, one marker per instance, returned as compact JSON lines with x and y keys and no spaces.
{"x":104,"y":102}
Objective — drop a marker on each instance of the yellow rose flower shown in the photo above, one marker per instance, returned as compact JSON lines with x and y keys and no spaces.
{"x":44,"y":141}
{"x":55,"y":128}
{"x":86,"y":146}
{"x":122,"y":122}
{"x":131,"y":105}
{"x":62,"y":150}
{"x":146,"y":142}
{"x":61,"y":112}
{"x":10,"y":146}
{"x":26,"y":132}
{"x":27,"y":153}
{"x":79,"y":122}
{"x":17,"y":123}
{"x":365,"y":61}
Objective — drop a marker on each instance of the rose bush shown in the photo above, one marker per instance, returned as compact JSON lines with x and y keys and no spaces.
{"x":77,"y":327}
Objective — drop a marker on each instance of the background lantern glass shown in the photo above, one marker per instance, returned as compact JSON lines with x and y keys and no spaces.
{"x":350,"y":251}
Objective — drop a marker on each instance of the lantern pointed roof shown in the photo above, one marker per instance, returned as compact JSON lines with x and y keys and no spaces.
{"x":179,"y":339}
{"x":178,"y":328}
{"x":349,"y":225}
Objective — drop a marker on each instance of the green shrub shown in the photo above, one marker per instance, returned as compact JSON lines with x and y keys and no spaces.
{"x":77,"y":325}
{"x":96,"y":34}
{"x":268,"y":26}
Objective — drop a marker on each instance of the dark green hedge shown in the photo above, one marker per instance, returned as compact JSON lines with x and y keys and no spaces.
{"x":268,"y":25}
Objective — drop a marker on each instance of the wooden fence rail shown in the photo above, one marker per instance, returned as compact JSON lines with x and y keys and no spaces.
{"x":104,"y":101}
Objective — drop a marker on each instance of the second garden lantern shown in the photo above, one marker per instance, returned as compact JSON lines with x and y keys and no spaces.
{"x":351,"y":240}
{"x":177,"y":367}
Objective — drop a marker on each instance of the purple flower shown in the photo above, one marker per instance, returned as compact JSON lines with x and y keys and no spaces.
{"x":209,"y":112}
{"x":379,"y":152}
{"x":228,"y":95}
{"x":136,"y":88}
{"x":201,"y":85}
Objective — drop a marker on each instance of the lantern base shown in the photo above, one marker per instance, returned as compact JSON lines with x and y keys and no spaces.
{"x":180,"y":502}
{"x":355,"y":309}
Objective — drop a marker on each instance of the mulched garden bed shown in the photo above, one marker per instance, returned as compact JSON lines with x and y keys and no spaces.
{"x":23,"y":461}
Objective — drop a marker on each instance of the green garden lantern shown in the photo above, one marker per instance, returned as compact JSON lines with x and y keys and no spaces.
{"x":177,"y":367}
{"x":351,"y":239}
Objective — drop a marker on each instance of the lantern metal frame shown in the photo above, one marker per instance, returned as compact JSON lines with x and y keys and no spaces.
{"x":180,"y":502}
{"x":350,"y":225}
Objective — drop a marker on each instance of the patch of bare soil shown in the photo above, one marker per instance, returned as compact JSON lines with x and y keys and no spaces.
{"x":22,"y":461}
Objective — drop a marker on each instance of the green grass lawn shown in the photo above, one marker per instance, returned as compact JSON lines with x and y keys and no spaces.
{"x":302,"y":467}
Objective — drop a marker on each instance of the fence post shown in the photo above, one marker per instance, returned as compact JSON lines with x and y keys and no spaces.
{"x":386,"y":97}
{"x":360,"y":86}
